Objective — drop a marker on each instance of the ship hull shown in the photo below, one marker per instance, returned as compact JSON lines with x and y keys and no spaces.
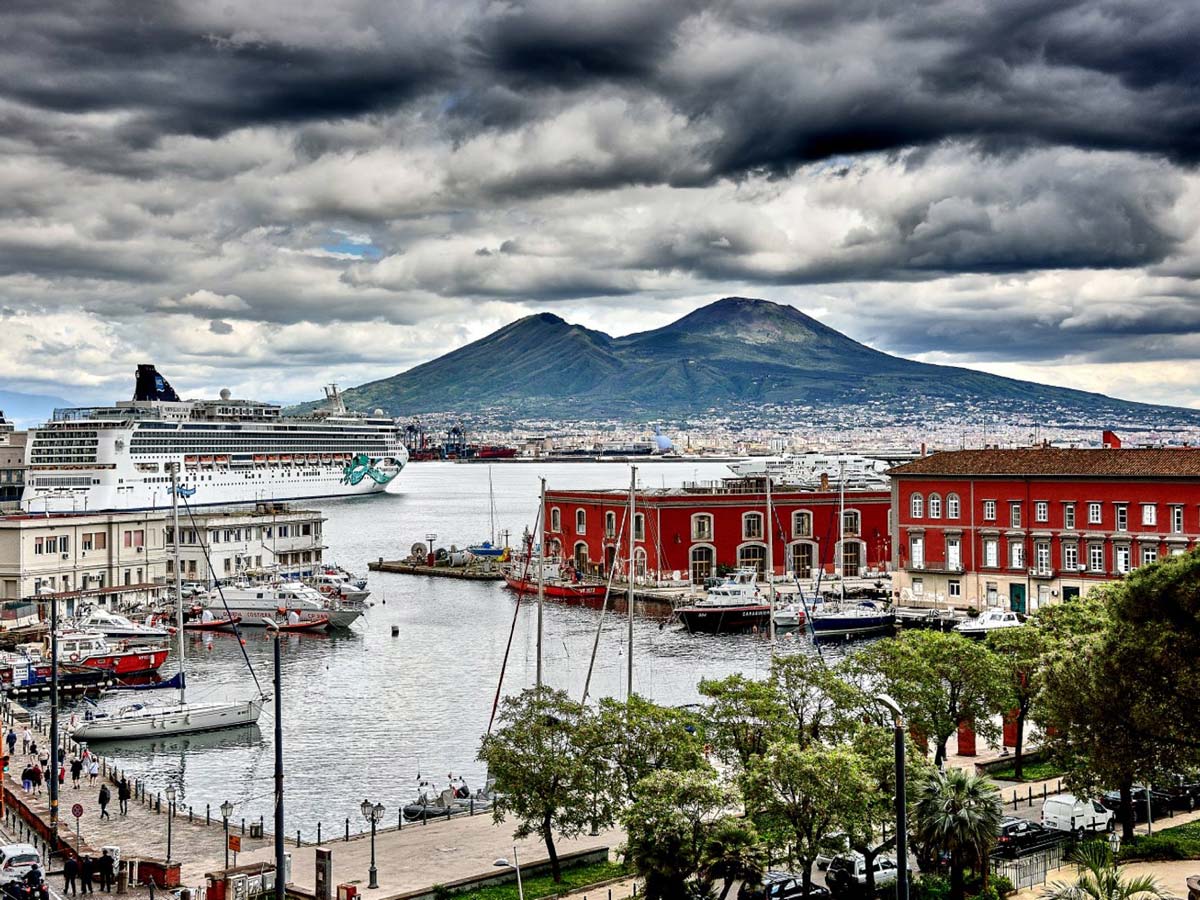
{"x":556,"y":590}
{"x":722,"y":619}
{"x":167,"y":721}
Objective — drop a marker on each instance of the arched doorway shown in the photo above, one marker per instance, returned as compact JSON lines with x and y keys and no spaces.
{"x":703,"y":563}
{"x":802,"y":559}
{"x":610,"y":556}
{"x":753,"y":555}
{"x":581,"y":557}
{"x":852,"y":558}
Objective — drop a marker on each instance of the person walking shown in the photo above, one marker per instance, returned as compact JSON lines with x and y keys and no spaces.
{"x":27,"y":779}
{"x":12,"y":740}
{"x":26,"y":740}
{"x":124,"y":792}
{"x":104,"y":865}
{"x":44,"y":761}
{"x":87,"y":867}
{"x":33,"y":748}
{"x":104,"y":799}
{"x":93,"y":770}
{"x":36,"y":776}
{"x":76,"y":771}
{"x":70,"y":873}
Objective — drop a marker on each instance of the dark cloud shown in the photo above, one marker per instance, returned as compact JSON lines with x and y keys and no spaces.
{"x":216,"y":326}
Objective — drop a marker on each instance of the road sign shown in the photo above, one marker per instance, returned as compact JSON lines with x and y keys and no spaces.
{"x":235,"y":843}
{"x":77,"y":810}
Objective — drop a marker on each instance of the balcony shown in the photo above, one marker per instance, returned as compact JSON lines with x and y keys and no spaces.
{"x":1042,"y":572}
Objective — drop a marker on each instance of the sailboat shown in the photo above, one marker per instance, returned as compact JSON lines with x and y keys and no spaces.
{"x":139,"y":720}
{"x":488,"y":548}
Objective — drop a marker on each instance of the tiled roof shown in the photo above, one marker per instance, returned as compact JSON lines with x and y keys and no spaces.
{"x":1179,"y":462}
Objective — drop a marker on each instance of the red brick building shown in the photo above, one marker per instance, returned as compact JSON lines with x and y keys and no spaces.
{"x":1021,"y":528}
{"x":693,"y":532}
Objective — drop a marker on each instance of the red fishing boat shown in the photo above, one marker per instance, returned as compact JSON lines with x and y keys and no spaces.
{"x":555,"y":588}
{"x":225,"y":624}
{"x":306,"y":623}
{"x":92,"y":651}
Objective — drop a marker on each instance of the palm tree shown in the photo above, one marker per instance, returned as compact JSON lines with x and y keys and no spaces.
{"x":1100,"y":879}
{"x":959,"y":815}
{"x":733,"y":853}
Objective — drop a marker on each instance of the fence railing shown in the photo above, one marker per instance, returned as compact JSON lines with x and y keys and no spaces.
{"x":1033,"y":869}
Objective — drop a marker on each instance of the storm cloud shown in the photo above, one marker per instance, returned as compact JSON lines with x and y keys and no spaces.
{"x":346,"y":189}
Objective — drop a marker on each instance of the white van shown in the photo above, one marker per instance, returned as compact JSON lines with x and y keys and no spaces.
{"x":1066,"y":812}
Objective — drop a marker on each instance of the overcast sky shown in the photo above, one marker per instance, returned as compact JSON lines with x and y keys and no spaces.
{"x":272,"y":195}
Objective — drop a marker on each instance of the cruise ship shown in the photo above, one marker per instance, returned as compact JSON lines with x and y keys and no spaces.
{"x":230,"y":452}
{"x":860,"y":471}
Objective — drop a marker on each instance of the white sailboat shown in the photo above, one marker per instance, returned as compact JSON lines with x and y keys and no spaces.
{"x":139,"y":720}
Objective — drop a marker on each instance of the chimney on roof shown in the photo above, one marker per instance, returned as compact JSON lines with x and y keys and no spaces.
{"x":1111,"y":441}
{"x":922,"y":449}
{"x":824,"y":481}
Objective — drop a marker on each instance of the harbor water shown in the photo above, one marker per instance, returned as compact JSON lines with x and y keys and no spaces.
{"x":366,"y":713}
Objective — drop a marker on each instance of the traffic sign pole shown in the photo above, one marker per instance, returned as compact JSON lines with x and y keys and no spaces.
{"x":77,"y":812}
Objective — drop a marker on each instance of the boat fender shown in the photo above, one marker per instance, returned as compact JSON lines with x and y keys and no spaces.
{"x":74,"y":657}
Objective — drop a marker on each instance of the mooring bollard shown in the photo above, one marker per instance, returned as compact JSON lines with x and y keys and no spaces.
{"x":207,"y":816}
{"x":347,"y":828}
{"x":1031,"y":795}
{"x":158,"y":804}
{"x":243,"y":826}
{"x":318,"y":834}
{"x":189,"y":812}
{"x":471,"y":812}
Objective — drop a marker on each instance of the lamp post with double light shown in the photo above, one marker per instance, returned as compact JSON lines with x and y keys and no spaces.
{"x":373,"y":813}
{"x":901,"y":797}
{"x":226,"y":812}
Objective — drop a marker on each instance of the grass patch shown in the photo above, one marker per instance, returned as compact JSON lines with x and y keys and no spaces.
{"x":1031,"y":771}
{"x":1179,"y":842}
{"x":543,"y":885}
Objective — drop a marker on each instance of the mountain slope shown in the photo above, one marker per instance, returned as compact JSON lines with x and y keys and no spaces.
{"x":734,"y":352}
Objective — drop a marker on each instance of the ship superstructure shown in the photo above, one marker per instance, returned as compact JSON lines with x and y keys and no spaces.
{"x":230,"y":451}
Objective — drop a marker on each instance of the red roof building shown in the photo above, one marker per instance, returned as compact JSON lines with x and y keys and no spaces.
{"x":690,"y":532}
{"x":1025,"y":527}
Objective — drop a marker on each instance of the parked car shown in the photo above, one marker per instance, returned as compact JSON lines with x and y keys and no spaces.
{"x":847,"y":874}
{"x":837,"y":840}
{"x":1066,"y":812}
{"x":1184,"y":791}
{"x":1017,"y":835}
{"x":16,"y":860}
{"x":783,"y":886}
{"x":1161,"y":804}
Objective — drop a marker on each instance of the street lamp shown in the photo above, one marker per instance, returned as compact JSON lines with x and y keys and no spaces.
{"x":226,"y":812}
{"x":901,"y":806}
{"x":170,"y":816}
{"x":373,"y":813}
{"x":503,"y":863}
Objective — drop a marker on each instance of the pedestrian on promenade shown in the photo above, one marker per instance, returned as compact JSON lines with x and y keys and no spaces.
{"x":26,"y":740}
{"x":105,"y":866}
{"x":70,"y":872}
{"x":36,"y":776}
{"x":124,"y":792}
{"x":76,"y":771}
{"x":87,"y":866}
{"x":93,"y":770}
{"x":44,"y":761}
{"x":105,"y":796}
{"x":33,"y":749}
{"x":27,"y":779}
{"x":12,"y":740}
{"x":62,"y":774}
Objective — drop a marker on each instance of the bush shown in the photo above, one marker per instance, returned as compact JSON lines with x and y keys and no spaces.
{"x":1180,"y":842}
{"x":930,"y":887}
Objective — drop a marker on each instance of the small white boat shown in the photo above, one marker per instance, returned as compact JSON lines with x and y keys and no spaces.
{"x":114,"y":625}
{"x":790,"y":616}
{"x":339,"y":585}
{"x":990,"y":620}
{"x":257,"y":602}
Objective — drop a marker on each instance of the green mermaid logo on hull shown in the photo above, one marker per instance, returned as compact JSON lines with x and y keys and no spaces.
{"x":362,"y":466}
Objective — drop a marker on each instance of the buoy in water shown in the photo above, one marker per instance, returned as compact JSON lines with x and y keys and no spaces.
{"x":395,"y":631}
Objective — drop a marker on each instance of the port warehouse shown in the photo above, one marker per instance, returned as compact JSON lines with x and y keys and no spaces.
{"x":700,"y":530}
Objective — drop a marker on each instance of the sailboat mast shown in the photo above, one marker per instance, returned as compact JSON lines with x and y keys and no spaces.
{"x":771,"y":556}
{"x":842,"y":524}
{"x":629,"y":599}
{"x":541,"y":579}
{"x":178,"y":576}
{"x":492,"y":505}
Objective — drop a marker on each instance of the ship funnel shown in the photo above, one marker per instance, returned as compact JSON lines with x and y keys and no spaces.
{"x":152,"y":386}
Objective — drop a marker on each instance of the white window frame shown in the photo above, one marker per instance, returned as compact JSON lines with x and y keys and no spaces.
{"x":991,"y":553}
{"x":953,"y":506}
{"x":1120,"y":516}
{"x":610,"y":524}
{"x":1041,"y":556}
{"x":954,"y":588}
{"x":989,"y":510}
{"x":1150,"y":515}
{"x":852,"y":522}
{"x":555,"y":519}
{"x":1148,"y":554}
{"x":580,"y":520}
{"x":1177,"y":515}
{"x":1041,"y":511}
{"x":953,"y":554}
{"x":1016,"y":554}
{"x":935,"y":506}
{"x":1070,"y":556}
{"x":699,"y":534}
{"x":1122,"y":558}
{"x":916,"y":551}
{"x":916,"y":505}
{"x":1096,"y":558}
{"x":1095,"y":513}
{"x":1015,"y":514}
{"x":1069,"y":515}
{"x":639,"y":526}
{"x":746,"y":534}
{"x":798,"y":516}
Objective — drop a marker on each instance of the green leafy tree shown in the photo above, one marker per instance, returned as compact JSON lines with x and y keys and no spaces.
{"x":958,"y":814}
{"x":669,"y":827}
{"x":640,"y":737}
{"x":941,"y":681}
{"x":742,"y":717}
{"x":797,"y":796}
{"x":548,"y":773}
{"x":734,"y":852}
{"x":1023,"y":652}
{"x":1100,"y":879}
{"x":816,"y":702}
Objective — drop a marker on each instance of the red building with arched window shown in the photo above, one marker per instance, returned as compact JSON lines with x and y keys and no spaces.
{"x":686,"y":532}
